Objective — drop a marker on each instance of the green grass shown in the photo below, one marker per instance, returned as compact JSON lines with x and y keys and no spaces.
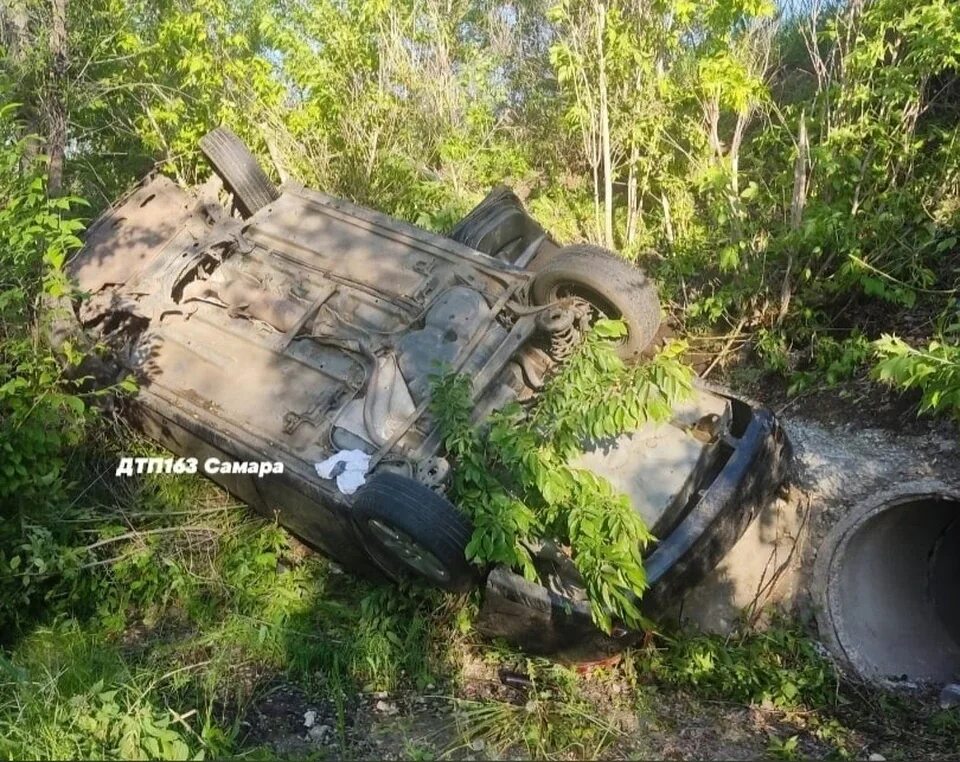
{"x":555,"y":718}
{"x":69,"y":693}
{"x":780,"y":667}
{"x":179,"y":610}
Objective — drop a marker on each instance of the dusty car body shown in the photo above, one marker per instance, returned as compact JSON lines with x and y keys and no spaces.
{"x":302,"y":326}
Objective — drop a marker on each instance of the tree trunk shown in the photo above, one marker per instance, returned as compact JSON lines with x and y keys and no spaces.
{"x":799,"y":198}
{"x":743,"y":121}
{"x":605,"y":132}
{"x":711,"y":117}
{"x":633,"y":202}
{"x":13,"y":30}
{"x":15,"y":38}
{"x":56,"y":107}
{"x":667,"y":217}
{"x":595,"y":166}
{"x":797,"y":203}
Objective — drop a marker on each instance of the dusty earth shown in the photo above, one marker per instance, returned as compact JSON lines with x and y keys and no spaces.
{"x":664,"y":723}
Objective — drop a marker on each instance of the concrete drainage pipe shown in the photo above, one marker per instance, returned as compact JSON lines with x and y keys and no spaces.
{"x":887,"y":583}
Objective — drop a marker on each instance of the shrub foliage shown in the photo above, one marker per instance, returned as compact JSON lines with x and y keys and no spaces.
{"x":514,"y":477}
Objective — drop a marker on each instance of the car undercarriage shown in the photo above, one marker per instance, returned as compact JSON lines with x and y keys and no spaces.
{"x":300,"y":326}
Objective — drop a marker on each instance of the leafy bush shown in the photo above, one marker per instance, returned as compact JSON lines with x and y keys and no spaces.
{"x":42,"y":414}
{"x":68,"y":695}
{"x":780,"y":667}
{"x":515,"y":481}
{"x":935,"y":371}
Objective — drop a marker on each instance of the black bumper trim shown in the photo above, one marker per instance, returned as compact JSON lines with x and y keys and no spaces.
{"x":542,"y":621}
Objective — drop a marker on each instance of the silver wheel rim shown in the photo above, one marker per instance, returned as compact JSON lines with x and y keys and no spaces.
{"x":409,"y":551}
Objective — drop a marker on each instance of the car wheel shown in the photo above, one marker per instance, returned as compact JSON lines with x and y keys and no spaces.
{"x":500,"y":227}
{"x":611,"y":285}
{"x":239,"y":169}
{"x":409,"y":529}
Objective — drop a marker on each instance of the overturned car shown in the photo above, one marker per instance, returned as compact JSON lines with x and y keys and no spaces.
{"x":301,"y":330}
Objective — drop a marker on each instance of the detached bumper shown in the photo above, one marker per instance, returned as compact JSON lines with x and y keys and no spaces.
{"x":543,"y":621}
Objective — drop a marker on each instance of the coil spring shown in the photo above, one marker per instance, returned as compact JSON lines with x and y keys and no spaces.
{"x":562,"y":343}
{"x":561,"y":326}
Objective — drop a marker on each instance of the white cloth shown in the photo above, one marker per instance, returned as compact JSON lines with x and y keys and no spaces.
{"x":348,"y":466}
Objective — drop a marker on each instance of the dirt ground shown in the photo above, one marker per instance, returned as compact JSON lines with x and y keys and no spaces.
{"x":665,"y":724}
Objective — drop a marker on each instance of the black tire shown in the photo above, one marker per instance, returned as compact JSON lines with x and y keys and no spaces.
{"x":239,"y":169}
{"x":500,"y":227}
{"x":611,"y":284}
{"x":421,"y":522}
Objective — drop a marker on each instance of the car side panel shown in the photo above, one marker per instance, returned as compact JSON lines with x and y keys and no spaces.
{"x":757,"y":467}
{"x":288,"y":498}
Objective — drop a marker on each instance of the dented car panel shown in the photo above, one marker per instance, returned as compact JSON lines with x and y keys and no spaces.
{"x":747,"y":469}
{"x":312,"y":326}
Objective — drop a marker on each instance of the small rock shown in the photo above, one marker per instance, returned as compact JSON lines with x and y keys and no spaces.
{"x":477,"y":745}
{"x":950,"y":696}
{"x":320,"y":734}
{"x":309,"y":718}
{"x":385,"y":707}
{"x":380,"y":695}
{"x":877,"y":758}
{"x":431,"y":687}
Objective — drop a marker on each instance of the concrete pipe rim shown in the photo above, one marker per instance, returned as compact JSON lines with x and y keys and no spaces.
{"x":829,"y":579}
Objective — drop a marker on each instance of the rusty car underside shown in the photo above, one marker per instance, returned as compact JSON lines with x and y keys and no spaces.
{"x":304,"y":326}
{"x":304,"y":347}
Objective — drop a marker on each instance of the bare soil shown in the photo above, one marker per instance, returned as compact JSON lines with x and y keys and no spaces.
{"x":665,"y":724}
